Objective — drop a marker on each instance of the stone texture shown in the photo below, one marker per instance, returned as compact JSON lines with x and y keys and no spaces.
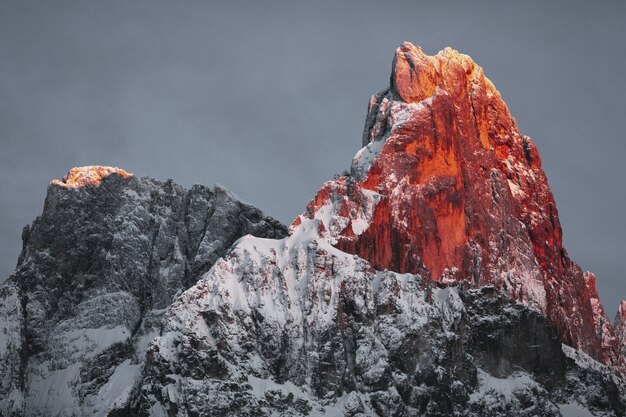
{"x":98,"y":268}
{"x":296,"y":327}
{"x":620,"y":325}
{"x":447,"y":187}
{"x":429,"y":281}
{"x":93,"y":174}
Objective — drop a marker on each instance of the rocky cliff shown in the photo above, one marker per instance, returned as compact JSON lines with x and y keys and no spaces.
{"x":447,"y":187}
{"x":98,"y":268}
{"x":430,"y":281}
{"x":297,"y":327}
{"x":620,"y":326}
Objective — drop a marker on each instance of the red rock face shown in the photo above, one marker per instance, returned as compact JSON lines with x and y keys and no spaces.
{"x":447,"y":186}
{"x":82,"y":176}
{"x":620,"y":326}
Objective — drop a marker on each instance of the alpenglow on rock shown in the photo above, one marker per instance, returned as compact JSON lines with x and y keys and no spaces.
{"x":431,"y":281}
{"x":98,"y":268}
{"x":88,"y":175}
{"x":447,"y":187}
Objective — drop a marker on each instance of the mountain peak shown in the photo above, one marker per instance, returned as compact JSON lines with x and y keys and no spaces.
{"x":431,"y":280}
{"x":417,"y":76}
{"x":79,"y":177}
{"x":447,"y":187}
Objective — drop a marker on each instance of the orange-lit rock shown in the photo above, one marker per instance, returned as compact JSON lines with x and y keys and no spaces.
{"x":88,"y":175}
{"x":447,"y":186}
{"x":415,"y":74}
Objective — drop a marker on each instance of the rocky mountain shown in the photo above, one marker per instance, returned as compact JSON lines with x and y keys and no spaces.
{"x":98,"y":269}
{"x":446,"y":187}
{"x":297,"y":327}
{"x":431,"y":280}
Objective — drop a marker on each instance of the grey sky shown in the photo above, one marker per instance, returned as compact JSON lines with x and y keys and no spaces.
{"x":269,"y":98}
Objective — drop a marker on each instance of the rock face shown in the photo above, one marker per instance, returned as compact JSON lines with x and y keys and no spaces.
{"x":620,"y":325}
{"x":98,"y":268}
{"x":447,"y":187}
{"x":296,"y":327}
{"x":431,"y":281}
{"x":469,"y":315}
{"x":94,"y":174}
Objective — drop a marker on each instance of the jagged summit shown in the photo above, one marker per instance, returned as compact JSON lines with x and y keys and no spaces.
{"x":429,"y":281}
{"x":97,"y":271}
{"x":446,"y":186}
{"x":416,"y":76}
{"x":79,"y":177}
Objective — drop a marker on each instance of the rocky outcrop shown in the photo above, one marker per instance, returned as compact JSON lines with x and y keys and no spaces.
{"x":88,"y":175}
{"x":620,"y":325}
{"x":98,"y":268}
{"x":12,"y":348}
{"x":447,"y":187}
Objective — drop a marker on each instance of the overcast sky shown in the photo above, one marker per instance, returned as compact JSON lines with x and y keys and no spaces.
{"x":269,"y":98}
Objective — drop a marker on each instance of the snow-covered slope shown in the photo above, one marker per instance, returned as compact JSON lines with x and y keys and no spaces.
{"x":447,"y":186}
{"x":296,"y":327}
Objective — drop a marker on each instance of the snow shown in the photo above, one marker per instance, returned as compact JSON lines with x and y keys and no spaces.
{"x":116,"y":392}
{"x":450,"y":303}
{"x":297,"y":286}
{"x":574,"y":410}
{"x":581,"y":358}
{"x":54,"y":383}
{"x":492,"y":390}
{"x":364,"y":158}
{"x":230,"y":194}
{"x":260,"y":386}
{"x":515,"y":189}
{"x":359,"y":208}
{"x":53,"y":393}
{"x":87,"y":343}
{"x":399,"y":114}
{"x":346,"y":404}
{"x":10,"y":316}
{"x":11,"y":336}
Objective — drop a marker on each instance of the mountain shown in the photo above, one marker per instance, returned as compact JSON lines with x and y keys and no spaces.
{"x":446,"y":186}
{"x":298,"y":327}
{"x":97,"y":271}
{"x":430,"y":280}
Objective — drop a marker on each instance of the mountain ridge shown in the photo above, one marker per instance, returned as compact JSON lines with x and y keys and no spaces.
{"x":97,"y":270}
{"x":461,"y":196}
{"x":430,"y":281}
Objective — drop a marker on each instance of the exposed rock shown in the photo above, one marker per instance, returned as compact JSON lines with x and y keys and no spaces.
{"x":431,"y":281}
{"x":448,"y":188}
{"x":11,"y":352}
{"x":108,"y":255}
{"x":296,"y":327}
{"x":82,"y":176}
{"x":620,"y":325}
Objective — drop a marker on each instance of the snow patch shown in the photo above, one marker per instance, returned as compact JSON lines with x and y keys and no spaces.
{"x":574,"y":410}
